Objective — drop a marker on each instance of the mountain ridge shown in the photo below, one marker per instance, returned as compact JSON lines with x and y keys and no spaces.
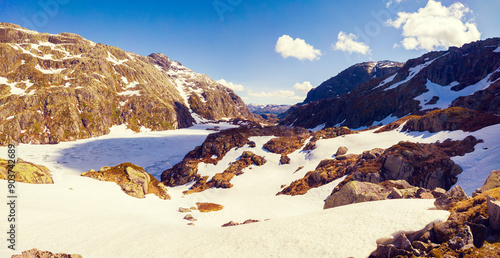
{"x":62,"y":87}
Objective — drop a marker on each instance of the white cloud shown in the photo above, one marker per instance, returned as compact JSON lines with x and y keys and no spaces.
{"x":390,"y":2}
{"x":346,"y":42}
{"x":298,"y":48}
{"x":304,"y":87}
{"x":234,"y":87}
{"x":435,"y":26}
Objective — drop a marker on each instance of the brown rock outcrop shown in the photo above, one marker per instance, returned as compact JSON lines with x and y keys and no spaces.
{"x":35,"y":253}
{"x":26,"y":172}
{"x":208,"y":206}
{"x":133,"y":180}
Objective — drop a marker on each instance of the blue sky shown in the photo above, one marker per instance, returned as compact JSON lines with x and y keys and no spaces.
{"x":270,"y":51}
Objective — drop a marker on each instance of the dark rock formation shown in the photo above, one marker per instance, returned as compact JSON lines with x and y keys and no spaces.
{"x":351,"y":77}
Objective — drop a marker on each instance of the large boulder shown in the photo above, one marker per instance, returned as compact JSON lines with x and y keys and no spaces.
{"x":133,"y":180}
{"x":355,"y":192}
{"x":26,"y":172}
{"x":454,"y":195}
{"x":493,"y":207}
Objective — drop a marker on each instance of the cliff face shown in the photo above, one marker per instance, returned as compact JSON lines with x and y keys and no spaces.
{"x":464,"y":77}
{"x":61,"y":87}
{"x":351,"y":77}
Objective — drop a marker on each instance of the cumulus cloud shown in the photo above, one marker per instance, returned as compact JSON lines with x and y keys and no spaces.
{"x":435,"y":26}
{"x":298,"y":48}
{"x":234,"y":87}
{"x":304,"y":87}
{"x":346,"y":42}
{"x":278,"y":93}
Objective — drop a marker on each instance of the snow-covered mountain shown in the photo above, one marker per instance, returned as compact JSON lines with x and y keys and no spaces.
{"x":462,"y":77}
{"x":268,"y":108}
{"x":60,"y":87}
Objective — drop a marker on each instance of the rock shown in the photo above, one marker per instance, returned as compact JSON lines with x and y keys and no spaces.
{"x":372,"y":154}
{"x":479,"y":232}
{"x":251,"y":144}
{"x":438,"y":192}
{"x":132,"y":179}
{"x":454,"y":195}
{"x":248,"y":221}
{"x":341,"y":151}
{"x":399,"y":184}
{"x":462,"y":240}
{"x":230,"y":224}
{"x":35,"y":253}
{"x":189,"y":217}
{"x":184,"y":210}
{"x":208,"y":207}
{"x":493,"y":207}
{"x":395,"y":194}
{"x":421,"y":246}
{"x":355,"y":192}
{"x":26,"y":172}
{"x":493,"y":181}
{"x":284,"y":160}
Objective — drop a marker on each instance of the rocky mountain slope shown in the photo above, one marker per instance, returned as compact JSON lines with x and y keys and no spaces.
{"x":462,"y":77}
{"x":61,"y":87}
{"x":351,"y":77}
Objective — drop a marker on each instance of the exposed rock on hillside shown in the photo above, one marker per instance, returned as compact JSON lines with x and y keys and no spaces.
{"x":356,"y":192}
{"x":26,"y":172}
{"x":222,"y":180}
{"x":44,"y":254}
{"x":454,"y":118}
{"x":215,"y":147}
{"x":468,"y":232}
{"x":424,"y":165}
{"x":133,"y":180}
{"x":208,"y":206}
{"x":351,"y":77}
{"x":62,"y":87}
{"x":434,"y":80}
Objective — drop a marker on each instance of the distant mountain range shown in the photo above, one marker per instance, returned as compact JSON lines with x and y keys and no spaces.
{"x":459,"y":77}
{"x":269,"y":108}
{"x":60,"y":87}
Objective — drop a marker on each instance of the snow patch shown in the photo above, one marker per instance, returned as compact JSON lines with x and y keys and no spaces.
{"x":413,"y":71}
{"x":49,"y":71}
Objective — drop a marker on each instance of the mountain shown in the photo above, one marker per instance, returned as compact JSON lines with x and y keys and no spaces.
{"x":269,"y":108}
{"x":62,"y":87}
{"x":459,"y":77}
{"x":351,"y":77}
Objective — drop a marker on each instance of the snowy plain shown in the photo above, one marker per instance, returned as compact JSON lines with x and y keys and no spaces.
{"x":96,"y":219}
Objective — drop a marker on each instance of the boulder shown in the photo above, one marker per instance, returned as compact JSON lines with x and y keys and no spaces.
{"x":341,"y":151}
{"x":132,"y":179}
{"x":493,"y":207}
{"x":208,"y":207}
{"x":33,"y":253}
{"x":355,"y":192}
{"x":184,"y":210}
{"x":462,"y":240}
{"x":26,"y":172}
{"x":189,"y":217}
{"x":230,"y":224}
{"x":284,"y":160}
{"x":454,"y":195}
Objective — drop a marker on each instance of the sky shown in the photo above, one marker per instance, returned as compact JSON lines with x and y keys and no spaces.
{"x":269,"y":52}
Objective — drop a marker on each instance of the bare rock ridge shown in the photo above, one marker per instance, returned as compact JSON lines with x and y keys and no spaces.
{"x":62,"y":87}
{"x":469,"y":75}
{"x":351,"y":77}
